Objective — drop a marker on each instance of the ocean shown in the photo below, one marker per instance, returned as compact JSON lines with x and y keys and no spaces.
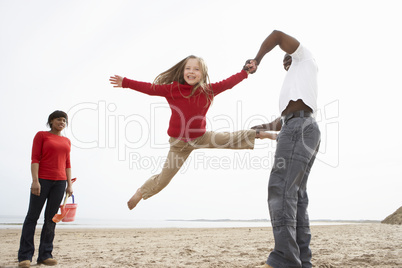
{"x":9,"y":222}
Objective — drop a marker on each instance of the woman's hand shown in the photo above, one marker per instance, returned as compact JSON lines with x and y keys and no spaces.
{"x":116,"y":80}
{"x":35,"y":188}
{"x":69,"y":191}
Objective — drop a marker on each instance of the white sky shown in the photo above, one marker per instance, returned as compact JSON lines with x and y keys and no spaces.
{"x":60,"y":54}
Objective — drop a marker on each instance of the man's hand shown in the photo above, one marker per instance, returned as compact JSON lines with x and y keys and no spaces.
{"x":250,"y":66}
{"x":116,"y":80}
{"x":275,"y":125}
{"x":260,"y":127}
{"x":267,"y":135}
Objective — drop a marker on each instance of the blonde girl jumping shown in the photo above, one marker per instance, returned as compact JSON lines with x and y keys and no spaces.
{"x":189,"y":93}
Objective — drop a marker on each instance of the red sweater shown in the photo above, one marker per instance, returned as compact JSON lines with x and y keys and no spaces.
{"x":52,"y":152}
{"x":188,"y":114}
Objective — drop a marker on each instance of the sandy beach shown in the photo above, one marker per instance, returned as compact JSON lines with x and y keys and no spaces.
{"x":351,"y":245}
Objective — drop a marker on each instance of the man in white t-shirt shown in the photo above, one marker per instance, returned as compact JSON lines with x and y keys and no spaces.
{"x":297,"y":146}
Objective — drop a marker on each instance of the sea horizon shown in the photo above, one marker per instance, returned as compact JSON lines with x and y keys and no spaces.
{"x":12,"y":222}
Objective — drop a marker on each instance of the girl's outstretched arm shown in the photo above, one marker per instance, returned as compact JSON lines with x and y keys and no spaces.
{"x":116,"y":80}
{"x":229,"y":83}
{"x":143,"y":87}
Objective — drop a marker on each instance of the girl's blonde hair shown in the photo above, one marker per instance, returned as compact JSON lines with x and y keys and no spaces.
{"x":176,"y":73}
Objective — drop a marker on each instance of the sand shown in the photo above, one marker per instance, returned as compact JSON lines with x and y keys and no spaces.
{"x":353,"y":245}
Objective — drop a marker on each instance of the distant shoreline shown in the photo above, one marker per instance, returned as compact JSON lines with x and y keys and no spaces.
{"x":216,"y":220}
{"x":266,"y":220}
{"x":169,"y":223}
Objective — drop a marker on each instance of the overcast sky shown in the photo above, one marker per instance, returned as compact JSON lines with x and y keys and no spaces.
{"x":60,"y":54}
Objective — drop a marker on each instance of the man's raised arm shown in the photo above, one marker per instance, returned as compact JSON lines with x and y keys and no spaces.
{"x":277,"y":38}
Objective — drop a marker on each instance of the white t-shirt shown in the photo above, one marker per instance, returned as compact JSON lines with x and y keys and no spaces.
{"x":300,"y":81}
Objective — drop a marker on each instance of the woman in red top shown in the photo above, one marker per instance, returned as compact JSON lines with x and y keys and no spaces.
{"x":189,"y":93}
{"x":51,"y":170}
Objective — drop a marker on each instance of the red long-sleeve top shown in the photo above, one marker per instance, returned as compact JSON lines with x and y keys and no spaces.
{"x":52,"y":152}
{"x":188,"y":118}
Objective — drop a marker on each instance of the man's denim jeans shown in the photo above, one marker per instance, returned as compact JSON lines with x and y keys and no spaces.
{"x":297,"y":146}
{"x":53,"y":192}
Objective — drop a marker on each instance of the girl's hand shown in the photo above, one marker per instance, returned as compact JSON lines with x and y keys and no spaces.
{"x":35,"y":188}
{"x":116,"y":80}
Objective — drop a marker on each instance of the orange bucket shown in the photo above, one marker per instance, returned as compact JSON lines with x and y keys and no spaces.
{"x":70,"y":210}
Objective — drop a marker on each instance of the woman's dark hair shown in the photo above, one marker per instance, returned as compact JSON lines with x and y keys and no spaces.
{"x":56,"y":114}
